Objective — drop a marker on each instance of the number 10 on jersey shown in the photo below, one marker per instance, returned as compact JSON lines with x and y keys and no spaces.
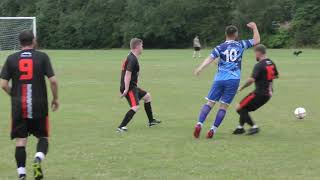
{"x":231,"y":55}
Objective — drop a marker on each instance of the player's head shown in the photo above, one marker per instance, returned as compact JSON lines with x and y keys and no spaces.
{"x":26,"y":38}
{"x":136,"y":45}
{"x":231,"y":32}
{"x":260,"y":51}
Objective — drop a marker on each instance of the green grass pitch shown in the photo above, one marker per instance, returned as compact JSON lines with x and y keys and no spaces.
{"x":84,"y":144}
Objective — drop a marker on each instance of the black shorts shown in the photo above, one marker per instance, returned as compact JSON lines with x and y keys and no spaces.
{"x":254,"y":101}
{"x":197,"y":48}
{"x":134,"y":96}
{"x":22,"y":128}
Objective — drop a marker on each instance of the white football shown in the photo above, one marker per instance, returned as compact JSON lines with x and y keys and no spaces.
{"x":300,"y":113}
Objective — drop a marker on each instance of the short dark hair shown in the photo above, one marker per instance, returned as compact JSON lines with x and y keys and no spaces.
{"x":231,"y":30}
{"x":260,"y":48}
{"x":26,"y":38}
{"x":135,"y":42}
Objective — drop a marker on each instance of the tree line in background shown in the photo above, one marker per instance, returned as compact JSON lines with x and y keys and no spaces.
{"x":64,"y":24}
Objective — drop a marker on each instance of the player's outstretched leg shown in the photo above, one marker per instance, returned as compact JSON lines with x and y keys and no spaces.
{"x":127,"y":118}
{"x":219,"y":118}
{"x":148,"y":109}
{"x":42,"y":150}
{"x":205,"y":110}
{"x":21,"y":156}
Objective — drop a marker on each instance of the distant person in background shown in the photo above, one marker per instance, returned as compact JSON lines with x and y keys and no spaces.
{"x":27,"y":70}
{"x":196,"y":46}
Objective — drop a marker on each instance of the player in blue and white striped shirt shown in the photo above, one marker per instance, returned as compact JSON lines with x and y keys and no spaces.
{"x":228,"y":56}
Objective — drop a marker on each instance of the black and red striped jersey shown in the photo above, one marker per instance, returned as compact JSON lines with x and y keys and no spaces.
{"x":264,"y":72}
{"x":27,"y":70}
{"x":131,"y":64}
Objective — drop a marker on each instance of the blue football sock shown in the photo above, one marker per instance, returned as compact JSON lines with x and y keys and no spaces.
{"x":204,"y":113}
{"x":219,"y":118}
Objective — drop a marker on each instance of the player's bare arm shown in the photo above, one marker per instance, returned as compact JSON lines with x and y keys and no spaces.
{"x":127,"y":79}
{"x":54,"y":89}
{"x":204,"y":64}
{"x":256,"y":34}
{"x":5,"y":86}
{"x":247,"y":83}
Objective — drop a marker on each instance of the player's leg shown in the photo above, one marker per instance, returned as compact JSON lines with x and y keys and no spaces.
{"x":243,"y":111}
{"x":230,"y":88}
{"x":250,"y":103}
{"x":42,"y":150}
{"x":19,"y":132}
{"x":256,"y":103}
{"x":218,"y":120}
{"x":213,"y":96}
{"x":21,"y":156}
{"x":147,"y":106}
{"x":194,"y":53}
{"x":133,"y":100}
{"x":40,"y":129}
{"x":199,"y":53}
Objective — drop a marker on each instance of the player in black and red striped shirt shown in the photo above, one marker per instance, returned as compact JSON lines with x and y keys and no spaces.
{"x":264,"y":72}
{"x":27,"y":70}
{"x":129,"y":86}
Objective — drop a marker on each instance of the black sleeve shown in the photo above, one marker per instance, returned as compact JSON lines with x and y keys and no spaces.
{"x":48,"y":70}
{"x":6,"y":72}
{"x":256,"y":71}
{"x":131,"y":64}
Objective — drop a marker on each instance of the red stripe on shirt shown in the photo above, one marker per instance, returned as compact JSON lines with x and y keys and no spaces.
{"x":24,"y":101}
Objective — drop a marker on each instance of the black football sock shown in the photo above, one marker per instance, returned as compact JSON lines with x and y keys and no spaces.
{"x":245,"y":117}
{"x":250,"y":121}
{"x":21,"y":157}
{"x":148,"y":109}
{"x":242,"y":121}
{"x":127,"y":118}
{"x":42,"y":149}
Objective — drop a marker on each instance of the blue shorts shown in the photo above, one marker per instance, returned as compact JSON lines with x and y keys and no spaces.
{"x":223,"y":91}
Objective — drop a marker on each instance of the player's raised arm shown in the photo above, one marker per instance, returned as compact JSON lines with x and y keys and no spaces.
{"x":256,"y":34}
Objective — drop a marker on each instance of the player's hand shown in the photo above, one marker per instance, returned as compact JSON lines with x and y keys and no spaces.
{"x":125,"y":92}
{"x":252,"y":25}
{"x":239,"y":89}
{"x":197,"y":72}
{"x":55,"y":105}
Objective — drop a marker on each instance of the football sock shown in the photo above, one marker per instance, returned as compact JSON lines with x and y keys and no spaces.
{"x":42,"y":149}
{"x":242,"y":120}
{"x":204,"y":113}
{"x":127,"y":118}
{"x":245,"y":117}
{"x":148,"y":109}
{"x":249,"y":120}
{"x":219,"y":118}
{"x":21,"y":157}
